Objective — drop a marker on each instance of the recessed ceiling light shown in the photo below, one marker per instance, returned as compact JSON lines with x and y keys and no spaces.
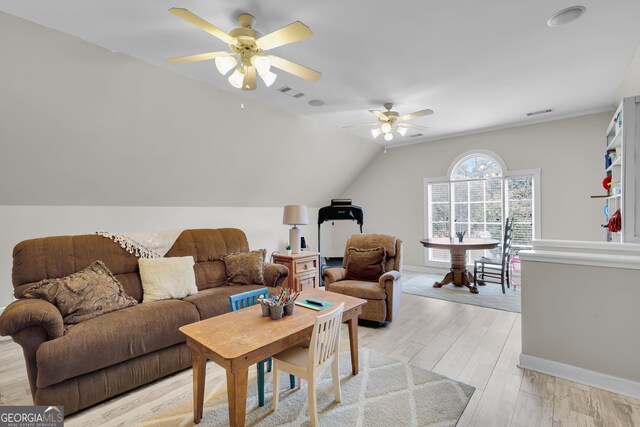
{"x":316,"y":102}
{"x":566,"y":16}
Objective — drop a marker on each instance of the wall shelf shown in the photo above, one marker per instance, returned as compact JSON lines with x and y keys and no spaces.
{"x":616,"y":141}
{"x":617,"y":162}
{"x":622,"y":137}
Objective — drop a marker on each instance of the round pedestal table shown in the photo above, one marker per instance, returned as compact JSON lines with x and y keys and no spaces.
{"x":459,"y":275}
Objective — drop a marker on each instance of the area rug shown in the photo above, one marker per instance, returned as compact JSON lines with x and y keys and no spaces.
{"x":386,"y":392}
{"x":490,"y":296}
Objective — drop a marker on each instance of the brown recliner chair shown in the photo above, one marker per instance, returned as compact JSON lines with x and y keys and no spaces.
{"x":383,"y":293}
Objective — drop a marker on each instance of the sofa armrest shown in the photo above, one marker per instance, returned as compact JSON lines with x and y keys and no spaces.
{"x":391,"y":281}
{"x":389,"y":276}
{"x":275,"y":274}
{"x":31,"y":322}
{"x":25,"y":313}
{"x":332,"y":275}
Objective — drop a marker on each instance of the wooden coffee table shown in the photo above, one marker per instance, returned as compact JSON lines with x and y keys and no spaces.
{"x":459,"y":275}
{"x":242,"y":338}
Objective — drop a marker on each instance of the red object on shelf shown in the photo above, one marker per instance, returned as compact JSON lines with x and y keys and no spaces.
{"x":606,"y":183}
{"x":615,"y":222}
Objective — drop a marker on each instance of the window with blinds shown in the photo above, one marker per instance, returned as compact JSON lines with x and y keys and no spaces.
{"x":477,"y":199}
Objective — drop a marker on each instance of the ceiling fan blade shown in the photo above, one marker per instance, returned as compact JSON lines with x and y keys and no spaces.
{"x":411,"y":125}
{"x":357,"y":126}
{"x":249,"y":82}
{"x":295,"y":69}
{"x":194,"y":19}
{"x":380,"y":115}
{"x":293,"y":32}
{"x":416,"y":114}
{"x":196,"y":58}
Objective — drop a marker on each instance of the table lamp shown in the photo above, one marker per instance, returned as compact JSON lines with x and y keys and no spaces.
{"x":295,"y":215}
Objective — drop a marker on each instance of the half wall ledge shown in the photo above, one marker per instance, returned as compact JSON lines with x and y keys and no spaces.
{"x":580,"y":311}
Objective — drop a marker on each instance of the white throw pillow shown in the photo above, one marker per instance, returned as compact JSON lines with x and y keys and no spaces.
{"x":167,"y":278}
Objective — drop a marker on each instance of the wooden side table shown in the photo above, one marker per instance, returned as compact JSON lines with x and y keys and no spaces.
{"x":303,"y":270}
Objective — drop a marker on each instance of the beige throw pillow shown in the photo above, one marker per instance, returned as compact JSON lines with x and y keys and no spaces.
{"x":245,"y":268}
{"x":83,"y":295}
{"x":167,"y":278}
{"x":365,"y":264}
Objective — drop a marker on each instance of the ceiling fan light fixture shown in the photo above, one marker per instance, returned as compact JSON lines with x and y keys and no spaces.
{"x":376,"y":132}
{"x":248,"y":44}
{"x":268,"y":78}
{"x":401,"y":130}
{"x":262,"y":64}
{"x":388,"y":136}
{"x":386,"y":128}
{"x":224,"y":64}
{"x":236,"y":79}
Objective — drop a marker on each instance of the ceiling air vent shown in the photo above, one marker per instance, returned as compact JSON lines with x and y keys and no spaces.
{"x":415,"y":135}
{"x":536,"y":113}
{"x":291,"y":92}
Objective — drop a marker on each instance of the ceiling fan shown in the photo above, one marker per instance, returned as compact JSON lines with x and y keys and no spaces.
{"x":248,"y":46}
{"x":390,"y":121}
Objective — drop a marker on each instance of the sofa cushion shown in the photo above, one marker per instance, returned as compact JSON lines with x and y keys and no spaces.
{"x":207,"y":247}
{"x":113,"y":338}
{"x":370,"y":241}
{"x":167,"y":278}
{"x":365,"y":264}
{"x":52,"y":257}
{"x":215,"y":301}
{"x":359,"y":289}
{"x":81,"y":296}
{"x":245,"y":268}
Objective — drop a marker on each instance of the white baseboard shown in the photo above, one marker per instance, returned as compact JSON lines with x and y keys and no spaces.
{"x":426,"y":270}
{"x":580,"y":375}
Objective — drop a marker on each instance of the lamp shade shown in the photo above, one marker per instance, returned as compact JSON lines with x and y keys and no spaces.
{"x":295,"y":215}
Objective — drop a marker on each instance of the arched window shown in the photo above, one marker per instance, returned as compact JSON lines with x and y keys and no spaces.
{"x":477,"y":196}
{"x":476,"y":166}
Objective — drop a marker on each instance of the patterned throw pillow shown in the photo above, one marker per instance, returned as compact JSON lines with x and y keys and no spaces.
{"x":365,"y":264}
{"x":245,"y":268}
{"x":83,"y":295}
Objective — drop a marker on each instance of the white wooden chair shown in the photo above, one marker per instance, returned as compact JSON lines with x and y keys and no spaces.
{"x":309,"y":363}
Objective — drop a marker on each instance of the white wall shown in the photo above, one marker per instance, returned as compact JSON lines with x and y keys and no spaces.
{"x":630,"y":85}
{"x":262,"y":225}
{"x":569,"y":152}
{"x":80,"y":125}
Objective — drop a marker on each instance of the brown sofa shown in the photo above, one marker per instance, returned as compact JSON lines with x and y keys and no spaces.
{"x":383,"y":293}
{"x":110,"y":354}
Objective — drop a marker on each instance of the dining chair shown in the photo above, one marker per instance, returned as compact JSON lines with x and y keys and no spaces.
{"x":310,"y":362}
{"x":496,"y":270}
{"x":244,"y":300}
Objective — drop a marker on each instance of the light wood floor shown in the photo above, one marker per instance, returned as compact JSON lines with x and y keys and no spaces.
{"x":474,"y":345}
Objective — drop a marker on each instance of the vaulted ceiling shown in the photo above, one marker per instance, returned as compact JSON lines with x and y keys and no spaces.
{"x":478,"y":65}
